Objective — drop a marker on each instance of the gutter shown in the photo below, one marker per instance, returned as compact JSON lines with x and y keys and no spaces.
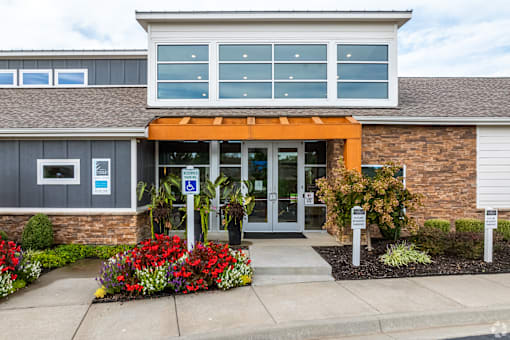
{"x":72,"y":132}
{"x":402,"y":120}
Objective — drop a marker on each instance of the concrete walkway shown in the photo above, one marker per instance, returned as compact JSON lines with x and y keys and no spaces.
{"x":58,"y":307}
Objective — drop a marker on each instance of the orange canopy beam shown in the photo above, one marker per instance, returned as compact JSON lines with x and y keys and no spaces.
{"x":254,"y":128}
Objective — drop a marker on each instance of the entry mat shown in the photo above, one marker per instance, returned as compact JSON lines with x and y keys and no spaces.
{"x":273,"y":235}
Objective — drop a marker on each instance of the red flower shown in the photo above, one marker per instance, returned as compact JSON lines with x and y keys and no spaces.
{"x":120,"y":278}
{"x":14,"y":277}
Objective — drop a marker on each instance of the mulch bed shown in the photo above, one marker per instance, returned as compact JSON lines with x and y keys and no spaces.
{"x":340,"y":258}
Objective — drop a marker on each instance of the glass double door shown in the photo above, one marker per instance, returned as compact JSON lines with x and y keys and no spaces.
{"x":276,"y":172}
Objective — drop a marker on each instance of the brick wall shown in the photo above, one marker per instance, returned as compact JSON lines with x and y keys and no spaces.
{"x":86,"y":229}
{"x":440,"y":164}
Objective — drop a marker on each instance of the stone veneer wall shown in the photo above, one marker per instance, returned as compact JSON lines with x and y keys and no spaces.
{"x":86,"y":229}
{"x":440,"y":164}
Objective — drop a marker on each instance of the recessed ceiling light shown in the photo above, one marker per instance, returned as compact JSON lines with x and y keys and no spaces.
{"x":193,"y":56}
{"x":245,"y":55}
{"x":245,"y":77}
{"x":285,"y":94}
{"x":337,"y":77}
{"x":297,"y":55}
{"x":245,"y":94}
{"x":348,"y":55}
{"x":291,"y":77}
{"x":199,"y":77}
{"x":204,"y":94}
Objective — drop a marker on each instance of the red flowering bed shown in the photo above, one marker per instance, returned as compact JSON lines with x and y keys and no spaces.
{"x":16,"y":270}
{"x":164,"y":265}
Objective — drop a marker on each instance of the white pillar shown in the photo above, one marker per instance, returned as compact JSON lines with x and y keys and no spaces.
{"x":487,"y":245}
{"x":190,"y":219}
{"x":356,"y":245}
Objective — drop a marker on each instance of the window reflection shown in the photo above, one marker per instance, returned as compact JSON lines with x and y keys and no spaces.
{"x":245,"y":53}
{"x":183,"y":90}
{"x":245,"y":71}
{"x":245,"y":90}
{"x":183,"y":53}
{"x":363,"y":71}
{"x":183,"y":71}
{"x":300,"y":90}
{"x":300,"y":52}
{"x":362,"y":52}
{"x":300,"y":71}
{"x":363,"y":90}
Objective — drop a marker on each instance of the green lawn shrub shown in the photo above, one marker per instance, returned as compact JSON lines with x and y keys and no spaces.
{"x":3,"y":235}
{"x":433,"y":240}
{"x":38,"y":233}
{"x":469,"y":225}
{"x":69,"y":253}
{"x":443,"y":225}
{"x":504,"y":229}
{"x":466,"y":245}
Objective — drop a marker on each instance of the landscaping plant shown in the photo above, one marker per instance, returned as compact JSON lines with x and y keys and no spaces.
{"x":165,"y":264}
{"x":504,"y":229}
{"x":469,"y":225}
{"x":439,"y":224}
{"x":384,"y":198}
{"x":17,"y":269}
{"x":3,"y":235}
{"x":403,"y":254}
{"x":38,"y":233}
{"x":162,"y":198}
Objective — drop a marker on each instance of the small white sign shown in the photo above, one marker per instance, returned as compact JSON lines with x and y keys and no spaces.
{"x":309,"y":198}
{"x":358,"y":218}
{"x":491,"y":218}
{"x":190,"y":181}
{"x":259,"y":185}
{"x":101,"y":176}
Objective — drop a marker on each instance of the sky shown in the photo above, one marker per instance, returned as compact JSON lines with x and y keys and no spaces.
{"x":444,"y":37}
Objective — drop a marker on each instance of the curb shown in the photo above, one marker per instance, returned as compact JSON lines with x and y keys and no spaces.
{"x":373,"y":324}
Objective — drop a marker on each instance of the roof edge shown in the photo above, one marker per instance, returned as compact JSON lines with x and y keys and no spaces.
{"x":403,"y":120}
{"x":144,"y":18}
{"x":109,"y":54}
{"x":73,"y":132}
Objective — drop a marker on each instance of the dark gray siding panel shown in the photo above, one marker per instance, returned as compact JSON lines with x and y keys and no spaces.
{"x":55,"y":196}
{"x":122,"y":174}
{"x":18,"y":174}
{"x":31,"y":194}
{"x":145,"y":166}
{"x":101,"y":71}
{"x":79,"y":196}
{"x":9,"y":170}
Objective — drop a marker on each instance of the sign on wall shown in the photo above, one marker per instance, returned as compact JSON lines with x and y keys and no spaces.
{"x":101,"y":176}
{"x":309,"y":198}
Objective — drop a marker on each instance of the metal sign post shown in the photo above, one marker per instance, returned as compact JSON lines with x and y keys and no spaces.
{"x":190,"y":187}
{"x":358,"y":222}
{"x":491,"y":223}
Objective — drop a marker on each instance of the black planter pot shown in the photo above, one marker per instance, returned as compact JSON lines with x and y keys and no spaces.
{"x":234,"y":233}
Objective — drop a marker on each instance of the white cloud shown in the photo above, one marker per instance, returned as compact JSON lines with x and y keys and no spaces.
{"x":445,"y":38}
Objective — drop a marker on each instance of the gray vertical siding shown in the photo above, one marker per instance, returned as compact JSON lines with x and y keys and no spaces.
{"x":18,"y":174}
{"x":145,"y":165}
{"x":100,"y":71}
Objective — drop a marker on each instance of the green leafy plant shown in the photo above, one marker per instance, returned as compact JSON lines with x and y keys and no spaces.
{"x":504,"y":229}
{"x":469,"y":225}
{"x":384,"y":198}
{"x":38,"y":233}
{"x":442,"y":225}
{"x":467,"y":245}
{"x":435,"y":241}
{"x":403,"y":254}
{"x":3,"y":235}
{"x":204,"y":200}
{"x":237,"y":204}
{"x":162,"y":199}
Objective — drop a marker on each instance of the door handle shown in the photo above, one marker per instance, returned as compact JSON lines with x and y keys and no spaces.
{"x":272,"y":196}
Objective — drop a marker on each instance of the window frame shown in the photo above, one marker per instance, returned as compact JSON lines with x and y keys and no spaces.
{"x":70,"y":70}
{"x":48,"y":71}
{"x":387,"y":62}
{"x":14,"y":73}
{"x":378,"y":166}
{"x":157,"y":63}
{"x":58,"y":181}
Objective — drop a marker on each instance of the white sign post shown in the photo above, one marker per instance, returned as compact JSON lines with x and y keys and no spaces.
{"x":358,"y":222}
{"x":491,"y":223}
{"x":190,"y":187}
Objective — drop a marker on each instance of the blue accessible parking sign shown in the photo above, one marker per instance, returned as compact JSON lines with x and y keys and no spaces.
{"x":190,"y":181}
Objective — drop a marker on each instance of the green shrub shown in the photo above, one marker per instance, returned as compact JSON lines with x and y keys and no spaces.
{"x":469,"y":225}
{"x":38,"y":233}
{"x":467,"y":245}
{"x":433,"y":240}
{"x":403,"y":254}
{"x":443,"y":225}
{"x":105,"y":252}
{"x":504,"y":229}
{"x":3,"y":235}
{"x":48,"y":259}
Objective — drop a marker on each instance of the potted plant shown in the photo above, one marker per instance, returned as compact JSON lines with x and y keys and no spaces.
{"x":237,"y":206}
{"x":160,"y":203}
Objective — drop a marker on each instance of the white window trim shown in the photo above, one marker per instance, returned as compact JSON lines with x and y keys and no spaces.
{"x":331,"y":100}
{"x":80,"y":70}
{"x":48,"y":71}
{"x":58,"y":181}
{"x":14,"y":78}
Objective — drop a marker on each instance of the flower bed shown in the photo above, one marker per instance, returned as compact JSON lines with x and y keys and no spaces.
{"x":164,"y":266}
{"x":16,"y":268}
{"x":371,"y":267}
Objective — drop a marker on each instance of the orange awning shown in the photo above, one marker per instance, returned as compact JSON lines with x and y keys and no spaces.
{"x":254,"y":128}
